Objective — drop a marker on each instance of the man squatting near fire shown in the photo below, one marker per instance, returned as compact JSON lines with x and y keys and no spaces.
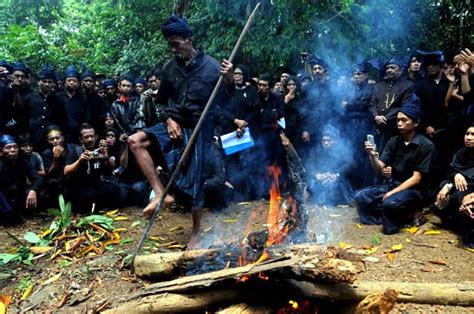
{"x":406,"y":162}
{"x":186,"y":85}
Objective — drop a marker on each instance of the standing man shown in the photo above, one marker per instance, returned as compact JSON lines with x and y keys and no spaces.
{"x":186,"y":85}
{"x":389,"y":95}
{"x":96,"y":108}
{"x":41,"y":108}
{"x":73,"y":106}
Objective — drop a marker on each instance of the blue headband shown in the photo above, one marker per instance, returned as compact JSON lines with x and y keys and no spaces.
{"x":176,"y":26}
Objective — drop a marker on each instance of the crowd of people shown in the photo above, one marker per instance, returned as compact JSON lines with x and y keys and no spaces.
{"x":113,"y":142}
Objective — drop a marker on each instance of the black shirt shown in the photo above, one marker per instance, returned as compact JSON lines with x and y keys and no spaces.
{"x":404,"y":159}
{"x":89,"y":172}
{"x":432,"y":96}
{"x":186,"y":89}
{"x":272,"y":109}
{"x":74,"y":112}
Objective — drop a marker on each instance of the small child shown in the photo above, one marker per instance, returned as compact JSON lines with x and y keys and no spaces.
{"x":31,"y":157}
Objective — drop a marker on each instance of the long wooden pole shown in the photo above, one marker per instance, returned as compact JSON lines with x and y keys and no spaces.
{"x":189,"y":146}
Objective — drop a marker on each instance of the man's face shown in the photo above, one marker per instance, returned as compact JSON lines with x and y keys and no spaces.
{"x":180,"y":47}
{"x":71,"y":84}
{"x":392,"y":71}
{"x":405,"y":124}
{"x":55,"y":138}
{"x":20,"y":78}
{"x":10,"y":151}
{"x":26,"y":149}
{"x":46,"y":85}
{"x":154,"y":83}
{"x":278,"y":87}
{"x":359,"y":78}
{"x":139,"y":88}
{"x":433,"y":69}
{"x":319,"y":72}
{"x":469,"y":138}
{"x":238,"y":76}
{"x":415,"y":65}
{"x":327,"y":142}
{"x":284,"y":77}
{"x":89,"y":84}
{"x":125,"y":87}
{"x":110,"y":91}
{"x":88,"y":138}
{"x":264,"y":87}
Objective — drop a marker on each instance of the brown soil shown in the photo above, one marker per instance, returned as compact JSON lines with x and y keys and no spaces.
{"x":94,"y":280}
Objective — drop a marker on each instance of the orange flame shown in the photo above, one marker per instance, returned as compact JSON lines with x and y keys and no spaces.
{"x":278,"y":212}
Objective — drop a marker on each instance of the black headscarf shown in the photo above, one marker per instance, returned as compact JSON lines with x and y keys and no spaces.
{"x":176,"y":26}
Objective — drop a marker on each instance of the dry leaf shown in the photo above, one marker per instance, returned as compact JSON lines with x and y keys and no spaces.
{"x":3,"y":308}
{"x":344,"y":245}
{"x":432,"y":269}
{"x":40,"y":249}
{"x":358,"y":226}
{"x":176,"y":246}
{"x":412,"y":230}
{"x":52,"y":279}
{"x":55,"y":254}
{"x":371,"y":250}
{"x":120,"y":218}
{"x":372,"y":259}
{"x":390,"y":256}
{"x":244,"y":203}
{"x":470,"y":250}
{"x":396,"y":248}
{"x":26,"y":293}
{"x":439,"y":262}
{"x":407,"y":240}
{"x":230,"y":220}
{"x":207,"y":229}
{"x":432,"y":232}
{"x":156,"y":239}
{"x":6,"y":299}
{"x":45,"y":233}
{"x":176,"y":228}
{"x":334,"y":215}
{"x":120,"y":230}
{"x":112,"y":212}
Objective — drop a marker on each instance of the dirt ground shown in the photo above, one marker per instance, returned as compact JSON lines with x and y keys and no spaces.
{"x":91,"y":282}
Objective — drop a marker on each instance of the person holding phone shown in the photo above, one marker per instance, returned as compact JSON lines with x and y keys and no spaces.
{"x":405,"y":163}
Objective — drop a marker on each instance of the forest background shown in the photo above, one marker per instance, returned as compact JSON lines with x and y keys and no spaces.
{"x":116,"y":36}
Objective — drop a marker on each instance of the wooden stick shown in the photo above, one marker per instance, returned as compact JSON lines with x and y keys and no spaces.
{"x":193,"y":137}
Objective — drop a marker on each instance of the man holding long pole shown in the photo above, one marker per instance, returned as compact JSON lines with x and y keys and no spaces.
{"x":187,"y":83}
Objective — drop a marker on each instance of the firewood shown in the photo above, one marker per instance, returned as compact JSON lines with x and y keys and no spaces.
{"x":378,"y":303}
{"x":243,"y":308}
{"x":176,"y":303}
{"x":164,"y":265}
{"x":459,"y":294}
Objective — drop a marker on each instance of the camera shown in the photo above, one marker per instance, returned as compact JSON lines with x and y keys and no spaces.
{"x":94,"y":153}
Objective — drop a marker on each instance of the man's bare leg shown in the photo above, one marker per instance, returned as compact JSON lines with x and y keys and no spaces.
{"x":139,"y":144}
{"x":193,"y":242}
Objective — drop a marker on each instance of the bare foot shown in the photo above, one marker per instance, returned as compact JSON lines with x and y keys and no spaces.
{"x":193,"y":243}
{"x":149,"y":209}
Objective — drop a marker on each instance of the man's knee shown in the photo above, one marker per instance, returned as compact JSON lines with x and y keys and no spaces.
{"x":137,"y":140}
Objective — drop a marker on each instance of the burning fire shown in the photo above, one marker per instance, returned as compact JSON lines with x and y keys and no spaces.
{"x":279,"y":217}
{"x":280,"y":210}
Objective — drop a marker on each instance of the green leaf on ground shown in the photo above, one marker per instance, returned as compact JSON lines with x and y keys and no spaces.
{"x":376,"y":239}
{"x":8,"y":258}
{"x":32,"y":237}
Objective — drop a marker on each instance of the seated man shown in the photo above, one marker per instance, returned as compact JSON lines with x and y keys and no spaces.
{"x":328,"y":170}
{"x":15,"y":194}
{"x":84,"y":169}
{"x":405,"y":162}
{"x":54,"y":159}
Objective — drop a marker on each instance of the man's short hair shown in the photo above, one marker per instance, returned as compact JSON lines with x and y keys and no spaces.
{"x":153,"y":72}
{"x":85,"y":126}
{"x":266,"y":77}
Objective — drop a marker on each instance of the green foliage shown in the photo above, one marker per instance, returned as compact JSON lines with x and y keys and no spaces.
{"x":376,"y":239}
{"x":104,"y":221}
{"x":117,"y":36}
